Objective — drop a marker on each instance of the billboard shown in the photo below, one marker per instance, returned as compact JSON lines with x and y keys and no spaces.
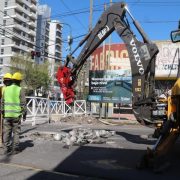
{"x":110,"y":86}
{"x":167,"y":59}
{"x":110,"y":57}
{"x":110,"y":75}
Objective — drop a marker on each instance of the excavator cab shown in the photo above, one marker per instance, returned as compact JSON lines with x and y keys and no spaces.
{"x":175,"y":36}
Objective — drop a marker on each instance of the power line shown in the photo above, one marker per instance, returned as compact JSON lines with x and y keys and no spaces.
{"x":20,"y":21}
{"x":20,"y":39}
{"x":74,"y":16}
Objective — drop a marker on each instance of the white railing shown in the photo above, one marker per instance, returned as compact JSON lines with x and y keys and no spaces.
{"x":43,"y":109}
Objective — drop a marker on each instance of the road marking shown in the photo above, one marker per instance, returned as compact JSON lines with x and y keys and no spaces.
{"x":36,"y":169}
{"x":106,"y":164}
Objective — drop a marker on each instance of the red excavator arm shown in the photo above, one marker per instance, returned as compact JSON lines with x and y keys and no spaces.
{"x":142,"y":57}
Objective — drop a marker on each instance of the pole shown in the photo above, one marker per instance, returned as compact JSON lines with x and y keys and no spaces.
{"x":91,"y":14}
{"x":1,"y":123}
{"x":90,"y":28}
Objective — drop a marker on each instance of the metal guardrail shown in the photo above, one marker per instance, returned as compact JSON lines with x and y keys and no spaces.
{"x":42,"y":109}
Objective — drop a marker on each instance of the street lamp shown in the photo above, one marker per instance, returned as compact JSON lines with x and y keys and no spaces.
{"x":69,"y":38}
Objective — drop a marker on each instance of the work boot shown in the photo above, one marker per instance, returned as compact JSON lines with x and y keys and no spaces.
{"x":7,"y":151}
{"x":16,"y":150}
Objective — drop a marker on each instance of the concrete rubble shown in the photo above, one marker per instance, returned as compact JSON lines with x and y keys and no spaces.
{"x":83,"y":136}
{"x":76,"y":137}
{"x":80,"y":119}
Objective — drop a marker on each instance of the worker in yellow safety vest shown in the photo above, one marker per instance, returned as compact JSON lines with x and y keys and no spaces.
{"x":14,"y":107}
{"x":7,"y":80}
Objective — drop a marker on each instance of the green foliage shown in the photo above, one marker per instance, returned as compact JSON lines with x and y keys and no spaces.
{"x":35,"y":76}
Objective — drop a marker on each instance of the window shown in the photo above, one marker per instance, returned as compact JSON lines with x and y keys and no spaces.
{"x":1,"y":60}
{"x":4,"y":22}
{"x":3,"y":32}
{"x":25,"y":7}
{"x":5,"y":13}
{"x":24,"y":24}
{"x":2,"y":41}
{"x":2,"y":51}
{"x":5,"y":4}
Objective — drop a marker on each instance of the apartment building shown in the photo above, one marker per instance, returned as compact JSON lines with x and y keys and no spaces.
{"x":55,"y":53}
{"x":18,"y":21}
{"x":42,"y":33}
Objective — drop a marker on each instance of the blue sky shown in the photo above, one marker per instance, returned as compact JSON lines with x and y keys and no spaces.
{"x":157,"y":17}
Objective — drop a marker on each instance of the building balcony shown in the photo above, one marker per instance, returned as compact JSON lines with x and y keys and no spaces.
{"x":20,"y":27}
{"x":21,"y":1}
{"x":16,"y":35}
{"x":31,"y":43}
{"x":33,"y":7}
{"x":24,"y":48}
{"x":21,"y":47}
{"x":32,"y":33}
{"x":19,"y":17}
{"x":21,"y":9}
{"x":34,"y":1}
{"x":33,"y":16}
{"x":57,"y":50}
{"x":32,"y":24}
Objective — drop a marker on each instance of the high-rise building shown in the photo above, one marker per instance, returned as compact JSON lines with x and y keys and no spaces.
{"x":42,"y":33}
{"x":55,"y":51}
{"x":18,"y":19}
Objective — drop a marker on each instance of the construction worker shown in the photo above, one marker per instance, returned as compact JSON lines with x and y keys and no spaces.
{"x":14,"y":107}
{"x":7,"y":80}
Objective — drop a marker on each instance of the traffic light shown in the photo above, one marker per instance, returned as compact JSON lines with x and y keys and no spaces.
{"x":35,"y":53}
{"x":38,"y":54}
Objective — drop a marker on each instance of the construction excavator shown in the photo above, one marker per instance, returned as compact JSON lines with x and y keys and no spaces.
{"x":146,"y":105}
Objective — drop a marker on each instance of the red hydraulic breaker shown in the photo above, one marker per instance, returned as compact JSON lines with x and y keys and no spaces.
{"x":64,"y":78}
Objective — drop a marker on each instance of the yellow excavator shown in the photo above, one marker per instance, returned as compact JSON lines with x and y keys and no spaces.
{"x":169,"y":130}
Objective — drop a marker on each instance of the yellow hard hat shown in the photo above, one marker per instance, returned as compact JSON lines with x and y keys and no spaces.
{"x":7,"y":76}
{"x":17,"y":76}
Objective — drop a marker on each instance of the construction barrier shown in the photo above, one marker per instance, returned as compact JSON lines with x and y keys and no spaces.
{"x":42,"y":109}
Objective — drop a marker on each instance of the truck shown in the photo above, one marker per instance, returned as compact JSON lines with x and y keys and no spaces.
{"x":146,"y":105}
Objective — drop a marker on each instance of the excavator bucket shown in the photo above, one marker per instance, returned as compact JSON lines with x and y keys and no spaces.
{"x":64,"y":78}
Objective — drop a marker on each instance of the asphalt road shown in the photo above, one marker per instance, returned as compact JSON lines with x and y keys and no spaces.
{"x":47,"y":159}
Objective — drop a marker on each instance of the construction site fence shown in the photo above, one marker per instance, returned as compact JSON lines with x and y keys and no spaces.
{"x":43,"y":109}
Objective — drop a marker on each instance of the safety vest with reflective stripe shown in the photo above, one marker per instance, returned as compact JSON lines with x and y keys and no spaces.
{"x":11,"y":97}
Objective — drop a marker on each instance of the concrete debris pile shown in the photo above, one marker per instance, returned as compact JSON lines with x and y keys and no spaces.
{"x":83,"y":136}
{"x":80,"y":119}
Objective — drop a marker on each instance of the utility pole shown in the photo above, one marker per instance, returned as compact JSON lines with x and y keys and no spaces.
{"x":90,"y":28}
{"x":83,"y":74}
{"x":90,"y":15}
{"x":107,"y":68}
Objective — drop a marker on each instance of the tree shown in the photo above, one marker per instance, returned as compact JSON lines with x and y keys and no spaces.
{"x":36,"y":76}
